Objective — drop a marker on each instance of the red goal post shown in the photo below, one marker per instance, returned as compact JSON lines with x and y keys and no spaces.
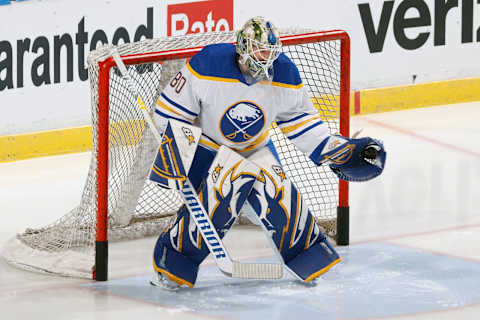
{"x":104,"y":71}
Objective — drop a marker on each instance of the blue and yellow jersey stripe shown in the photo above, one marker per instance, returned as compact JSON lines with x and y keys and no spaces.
{"x":217,"y":62}
{"x":299,"y":125}
{"x":211,"y":78}
{"x":167,"y":116}
{"x":179,"y":106}
{"x":169,"y":109}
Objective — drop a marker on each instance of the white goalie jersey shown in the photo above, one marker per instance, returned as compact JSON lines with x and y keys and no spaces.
{"x":211,"y":92}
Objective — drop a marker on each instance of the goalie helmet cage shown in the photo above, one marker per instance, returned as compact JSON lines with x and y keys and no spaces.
{"x":119,"y":203}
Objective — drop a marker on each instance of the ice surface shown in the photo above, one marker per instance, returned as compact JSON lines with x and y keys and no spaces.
{"x":415,"y":234}
{"x":374,"y":280}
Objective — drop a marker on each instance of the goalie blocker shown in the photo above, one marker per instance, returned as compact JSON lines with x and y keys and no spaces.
{"x":224,"y":180}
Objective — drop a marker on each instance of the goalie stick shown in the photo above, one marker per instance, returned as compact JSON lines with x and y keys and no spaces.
{"x":215,"y":245}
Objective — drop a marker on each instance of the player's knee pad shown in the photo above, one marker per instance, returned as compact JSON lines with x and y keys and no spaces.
{"x":286,"y":217}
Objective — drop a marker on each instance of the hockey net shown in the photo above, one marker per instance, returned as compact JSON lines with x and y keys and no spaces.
{"x":119,"y":203}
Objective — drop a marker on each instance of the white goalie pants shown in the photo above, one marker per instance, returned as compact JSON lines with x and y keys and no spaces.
{"x":275,"y":200}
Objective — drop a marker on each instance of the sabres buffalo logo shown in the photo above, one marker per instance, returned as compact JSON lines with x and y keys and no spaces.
{"x":242,"y":121}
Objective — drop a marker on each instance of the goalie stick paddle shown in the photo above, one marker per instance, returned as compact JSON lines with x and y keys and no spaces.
{"x":197,"y":211}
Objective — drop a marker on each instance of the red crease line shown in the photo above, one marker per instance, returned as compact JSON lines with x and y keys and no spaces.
{"x":424,"y":138}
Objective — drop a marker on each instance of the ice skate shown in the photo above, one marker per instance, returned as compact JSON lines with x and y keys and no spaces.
{"x":162,"y":281}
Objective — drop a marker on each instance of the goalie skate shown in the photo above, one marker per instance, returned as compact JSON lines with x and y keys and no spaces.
{"x":162,"y":281}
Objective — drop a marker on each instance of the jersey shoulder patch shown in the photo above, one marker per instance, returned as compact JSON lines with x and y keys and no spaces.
{"x":216,"y":61}
{"x":286,"y":72}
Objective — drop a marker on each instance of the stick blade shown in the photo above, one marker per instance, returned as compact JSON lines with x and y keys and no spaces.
{"x":264,"y":271}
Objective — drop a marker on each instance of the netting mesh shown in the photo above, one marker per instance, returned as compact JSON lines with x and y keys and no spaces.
{"x":137,"y":207}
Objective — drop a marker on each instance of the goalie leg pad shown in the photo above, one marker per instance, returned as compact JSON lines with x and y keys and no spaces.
{"x":181,"y":248}
{"x":172,"y":254}
{"x":324,"y":256}
{"x":174,"y":265}
{"x":286,"y":218}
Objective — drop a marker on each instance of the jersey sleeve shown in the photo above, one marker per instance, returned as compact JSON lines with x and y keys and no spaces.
{"x":178,"y":100}
{"x":302,"y":124}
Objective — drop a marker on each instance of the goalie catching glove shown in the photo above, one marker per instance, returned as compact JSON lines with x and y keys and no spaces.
{"x":351,"y":159}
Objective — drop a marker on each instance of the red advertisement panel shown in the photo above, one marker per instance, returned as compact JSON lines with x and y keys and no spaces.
{"x":200,"y":16}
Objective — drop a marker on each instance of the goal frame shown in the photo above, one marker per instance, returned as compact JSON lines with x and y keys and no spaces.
{"x":100,"y":271}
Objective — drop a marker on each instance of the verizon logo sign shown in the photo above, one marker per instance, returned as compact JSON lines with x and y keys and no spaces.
{"x":433,"y":18}
{"x":198,"y":17}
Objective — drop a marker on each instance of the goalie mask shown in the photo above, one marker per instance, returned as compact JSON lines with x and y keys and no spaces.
{"x":258,"y":45}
